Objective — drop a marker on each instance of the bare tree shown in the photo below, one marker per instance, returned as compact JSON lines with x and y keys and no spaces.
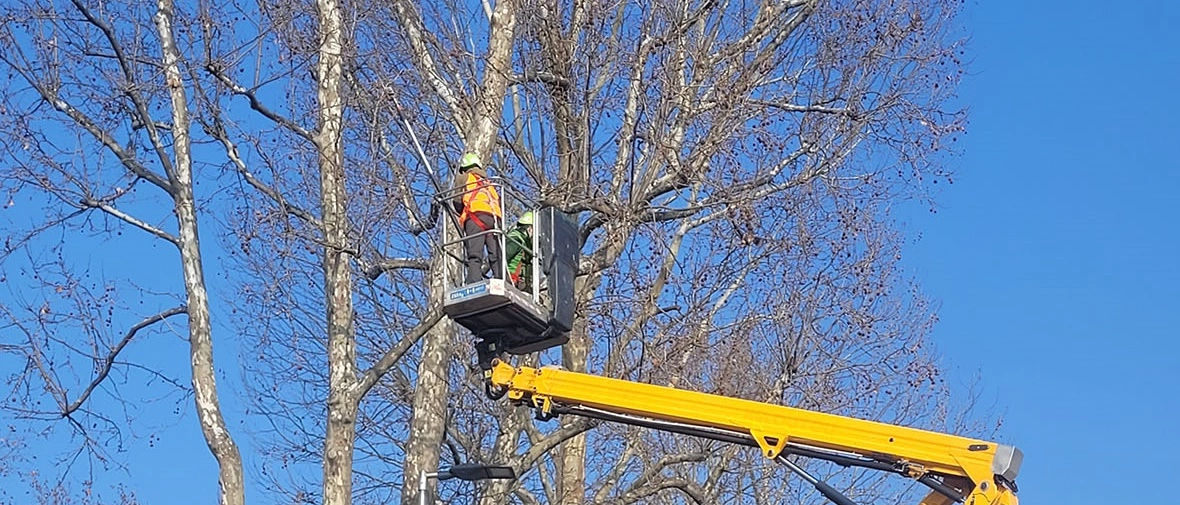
{"x":281,"y":224}
{"x":426,"y":434}
{"x":136,"y":125}
{"x":279,"y":230}
{"x":401,"y":276}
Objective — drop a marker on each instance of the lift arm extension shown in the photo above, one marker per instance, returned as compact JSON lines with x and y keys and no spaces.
{"x":982,"y":471}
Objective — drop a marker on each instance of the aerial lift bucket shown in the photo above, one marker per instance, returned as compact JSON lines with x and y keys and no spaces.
{"x":504,"y":318}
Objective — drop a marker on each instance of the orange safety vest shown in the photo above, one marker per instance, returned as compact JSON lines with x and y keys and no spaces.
{"x":479,"y":196}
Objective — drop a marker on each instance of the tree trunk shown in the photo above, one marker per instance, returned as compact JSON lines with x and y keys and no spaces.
{"x":428,"y":421}
{"x":571,"y":455}
{"x":511,"y":424}
{"x":340,"y":435}
{"x":482,"y":131}
{"x":339,"y":441}
{"x":571,"y":460}
{"x":217,"y":436}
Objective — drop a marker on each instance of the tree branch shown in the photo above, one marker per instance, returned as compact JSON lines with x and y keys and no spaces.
{"x":412,"y":24}
{"x":257,"y":104}
{"x":417,"y":223}
{"x":231,"y":150}
{"x":104,"y":137}
{"x":110,"y":358}
{"x":375,"y":270}
{"x":382,"y":366}
{"x":689,"y":488}
{"x":542,"y":77}
{"x":140,"y":107}
{"x":105,"y":207}
{"x":659,"y":466}
{"x":790,"y":107}
{"x":553,"y":439}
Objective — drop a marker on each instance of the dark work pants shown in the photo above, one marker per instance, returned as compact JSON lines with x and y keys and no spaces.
{"x":474,"y":247}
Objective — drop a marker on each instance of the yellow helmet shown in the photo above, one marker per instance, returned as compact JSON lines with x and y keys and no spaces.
{"x":470,"y":160}
{"x":526,"y":219}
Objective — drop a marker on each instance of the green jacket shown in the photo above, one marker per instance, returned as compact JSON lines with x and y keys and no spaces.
{"x":519,"y":245}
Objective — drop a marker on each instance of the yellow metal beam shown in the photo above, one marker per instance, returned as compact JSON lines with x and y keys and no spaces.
{"x":771,"y":426}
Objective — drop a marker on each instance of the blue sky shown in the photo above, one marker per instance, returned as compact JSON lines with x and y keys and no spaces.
{"x":1055,"y":253}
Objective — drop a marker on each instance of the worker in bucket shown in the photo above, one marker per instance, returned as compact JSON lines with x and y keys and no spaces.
{"x":479,"y":211}
{"x":519,"y":251}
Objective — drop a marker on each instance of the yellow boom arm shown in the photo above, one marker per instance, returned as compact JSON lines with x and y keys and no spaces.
{"x":975,"y":472}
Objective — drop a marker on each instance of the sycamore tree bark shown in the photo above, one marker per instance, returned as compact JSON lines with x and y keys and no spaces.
{"x":180,"y":175}
{"x":428,"y":405}
{"x":347,"y":387}
{"x":342,"y":402}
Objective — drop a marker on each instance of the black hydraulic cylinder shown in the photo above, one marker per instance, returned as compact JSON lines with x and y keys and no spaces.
{"x":832,"y":494}
{"x":823,"y":487}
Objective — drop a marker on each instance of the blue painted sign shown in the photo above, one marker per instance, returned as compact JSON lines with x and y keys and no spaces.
{"x":467,"y":292}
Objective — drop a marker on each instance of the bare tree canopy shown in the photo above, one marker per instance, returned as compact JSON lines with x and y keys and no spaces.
{"x":732,"y":165}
